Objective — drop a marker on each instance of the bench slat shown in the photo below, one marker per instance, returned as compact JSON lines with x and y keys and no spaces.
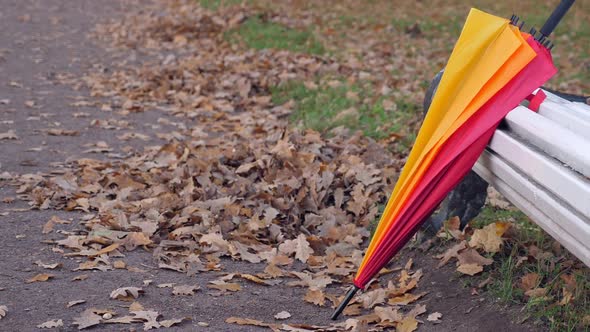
{"x":568,"y":185}
{"x":582,"y":107}
{"x":552,"y":138}
{"x":566,"y":117}
{"x":554,"y":218}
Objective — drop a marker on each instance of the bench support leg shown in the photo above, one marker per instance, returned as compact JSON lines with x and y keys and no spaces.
{"x":465,"y":202}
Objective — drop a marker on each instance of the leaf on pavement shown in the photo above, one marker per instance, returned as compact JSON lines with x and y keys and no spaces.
{"x":408,"y":324}
{"x":282,"y":315}
{"x":405,"y":299}
{"x":172,"y":322}
{"x":390,"y":314}
{"x":51,"y":324}
{"x":299,"y":246}
{"x":48,"y":266}
{"x":126,"y":293}
{"x":315,"y":296}
{"x":87,"y":319}
{"x":185,"y":289}
{"x":40,"y":278}
{"x":75,"y":302}
{"x":434,"y":317}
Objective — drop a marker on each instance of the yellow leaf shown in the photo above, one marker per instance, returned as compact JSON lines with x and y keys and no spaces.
{"x":470,"y":269}
{"x":40,"y":277}
{"x":407,"y":324}
{"x":488,"y":238}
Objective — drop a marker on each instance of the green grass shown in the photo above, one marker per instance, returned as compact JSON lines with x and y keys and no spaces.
{"x":216,"y":4}
{"x":430,"y":28}
{"x":506,"y":273}
{"x":259,"y":34}
{"x":351,"y":106}
{"x":490,"y":214}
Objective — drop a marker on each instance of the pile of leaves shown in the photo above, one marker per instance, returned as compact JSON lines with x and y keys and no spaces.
{"x":239,"y":183}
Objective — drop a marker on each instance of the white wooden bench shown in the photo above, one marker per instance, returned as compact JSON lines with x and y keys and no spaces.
{"x":541,"y":163}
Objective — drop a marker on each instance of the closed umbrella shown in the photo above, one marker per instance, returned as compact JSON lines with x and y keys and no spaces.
{"x":493,"y":67}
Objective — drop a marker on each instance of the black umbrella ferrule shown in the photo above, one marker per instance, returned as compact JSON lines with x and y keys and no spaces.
{"x":533,"y":31}
{"x":521,"y":25}
{"x":541,"y":39}
{"x":556,"y":17}
{"x":344,"y":302}
{"x":515,"y":20}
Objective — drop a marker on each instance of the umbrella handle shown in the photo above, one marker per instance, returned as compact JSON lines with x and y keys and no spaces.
{"x":555,"y":17}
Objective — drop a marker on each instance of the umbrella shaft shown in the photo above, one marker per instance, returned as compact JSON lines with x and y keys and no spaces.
{"x":556,"y":16}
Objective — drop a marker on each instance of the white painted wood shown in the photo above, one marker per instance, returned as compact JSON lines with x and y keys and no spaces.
{"x":566,"y":184}
{"x":573,"y":121}
{"x":541,"y":163}
{"x":568,"y":228}
{"x":551,"y":205}
{"x":553,"y":97}
{"x":552,"y":138}
{"x":583,"y":107}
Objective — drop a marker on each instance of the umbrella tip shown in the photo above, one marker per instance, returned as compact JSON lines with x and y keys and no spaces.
{"x":344,"y":302}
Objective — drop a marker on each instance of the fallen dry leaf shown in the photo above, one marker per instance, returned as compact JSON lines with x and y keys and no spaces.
{"x":136,"y":306}
{"x":87,"y":319}
{"x":434,"y":317}
{"x":3,"y":311}
{"x":390,"y":314}
{"x":80,"y":277}
{"x":529,"y":281}
{"x":119,"y":265}
{"x":126,"y":293}
{"x":8,"y":135}
{"x":471,"y":256}
{"x":408,"y":324}
{"x":489,"y":238}
{"x":172,"y":322}
{"x":62,"y":132}
{"x":48,"y":266}
{"x":149,"y":317}
{"x":536,"y":292}
{"x":452,"y":252}
{"x":51,"y":324}
{"x":470,"y":269}
{"x":299,"y":246}
{"x":405,"y":299}
{"x":567,"y":297}
{"x":372,"y":298}
{"x":75,"y":302}
{"x":282,"y":315}
{"x":315,"y":296}
{"x":40,"y":278}
{"x":223,"y":286}
{"x":185,"y":289}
